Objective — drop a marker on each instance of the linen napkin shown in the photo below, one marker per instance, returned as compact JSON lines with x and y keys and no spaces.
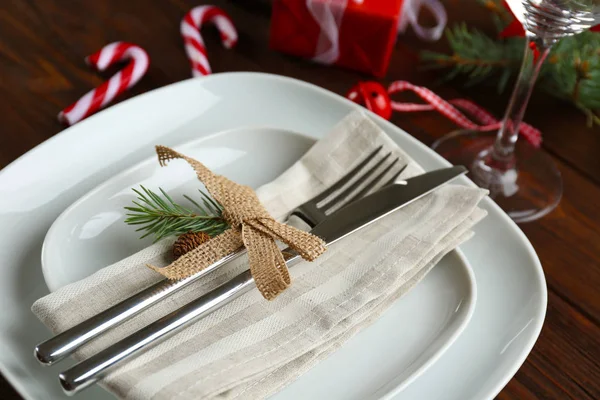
{"x":251,"y":348}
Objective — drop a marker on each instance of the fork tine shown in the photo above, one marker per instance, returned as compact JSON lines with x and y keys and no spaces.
{"x":346,"y":177}
{"x":393,"y":178}
{"x":373,"y":183}
{"x":341,"y":196}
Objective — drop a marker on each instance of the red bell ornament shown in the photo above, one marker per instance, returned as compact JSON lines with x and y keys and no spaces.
{"x":373,"y":96}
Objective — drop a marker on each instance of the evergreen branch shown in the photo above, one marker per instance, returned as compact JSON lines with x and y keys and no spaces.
{"x":161,"y":216}
{"x":571,"y":73}
{"x":476,"y":55}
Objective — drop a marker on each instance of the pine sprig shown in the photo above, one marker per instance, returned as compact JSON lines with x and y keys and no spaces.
{"x":476,"y":55}
{"x":161,"y":216}
{"x":571,"y":72}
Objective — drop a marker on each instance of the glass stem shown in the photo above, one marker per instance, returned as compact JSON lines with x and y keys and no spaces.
{"x":536,"y":51}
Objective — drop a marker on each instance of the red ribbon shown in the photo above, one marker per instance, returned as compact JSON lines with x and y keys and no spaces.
{"x":377,"y":99}
{"x":486,"y":121}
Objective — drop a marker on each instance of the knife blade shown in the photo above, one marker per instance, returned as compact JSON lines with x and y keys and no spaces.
{"x":338,"y":225}
{"x":363,"y":212}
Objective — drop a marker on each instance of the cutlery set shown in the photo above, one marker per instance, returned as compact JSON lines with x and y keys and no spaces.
{"x":361,"y":197}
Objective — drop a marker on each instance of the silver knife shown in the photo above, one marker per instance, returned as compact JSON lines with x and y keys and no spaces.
{"x":338,"y":225}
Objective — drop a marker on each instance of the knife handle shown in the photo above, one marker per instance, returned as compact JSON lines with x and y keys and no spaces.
{"x":94,"y":368}
{"x":65,"y":343}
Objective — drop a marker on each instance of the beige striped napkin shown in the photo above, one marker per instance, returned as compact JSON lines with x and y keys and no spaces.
{"x":252,"y":348}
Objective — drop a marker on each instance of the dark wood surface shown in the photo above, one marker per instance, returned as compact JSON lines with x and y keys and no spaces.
{"x":42,"y":47}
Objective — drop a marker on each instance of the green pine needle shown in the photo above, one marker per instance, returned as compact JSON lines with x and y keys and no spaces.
{"x":571,"y":72}
{"x":159,"y":215}
{"x":476,"y":56}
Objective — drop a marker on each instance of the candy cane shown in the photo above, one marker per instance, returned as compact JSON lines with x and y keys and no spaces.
{"x":97,"y":98}
{"x":531,"y":134}
{"x":194,"y":45}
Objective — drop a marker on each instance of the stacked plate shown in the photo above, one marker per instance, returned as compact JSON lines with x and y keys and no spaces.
{"x":462,"y":333}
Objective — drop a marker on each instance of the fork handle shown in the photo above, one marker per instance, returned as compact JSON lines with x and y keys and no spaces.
{"x":94,"y":368}
{"x":65,"y":343}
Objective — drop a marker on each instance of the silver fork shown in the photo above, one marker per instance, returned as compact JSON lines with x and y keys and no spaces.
{"x":349,"y":188}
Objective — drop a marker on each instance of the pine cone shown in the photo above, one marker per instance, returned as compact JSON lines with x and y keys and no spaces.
{"x":188,"y":241}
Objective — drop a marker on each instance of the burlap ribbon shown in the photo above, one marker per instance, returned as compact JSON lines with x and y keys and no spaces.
{"x":251,"y":226}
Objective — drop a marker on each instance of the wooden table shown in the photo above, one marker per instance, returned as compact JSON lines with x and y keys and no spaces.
{"x":42,"y":47}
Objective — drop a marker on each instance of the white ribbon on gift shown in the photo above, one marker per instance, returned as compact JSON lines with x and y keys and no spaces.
{"x":410,"y":16}
{"x":328,"y":15}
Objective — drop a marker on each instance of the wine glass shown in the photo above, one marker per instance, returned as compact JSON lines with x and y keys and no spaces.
{"x":523,"y":180}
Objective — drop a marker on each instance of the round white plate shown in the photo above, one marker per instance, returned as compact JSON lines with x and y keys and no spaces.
{"x":90,"y":235}
{"x":37,"y":187}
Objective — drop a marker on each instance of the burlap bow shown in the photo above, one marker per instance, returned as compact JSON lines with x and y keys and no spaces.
{"x":251,"y":226}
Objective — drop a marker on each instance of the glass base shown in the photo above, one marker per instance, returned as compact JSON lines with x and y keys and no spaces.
{"x":527,"y":186}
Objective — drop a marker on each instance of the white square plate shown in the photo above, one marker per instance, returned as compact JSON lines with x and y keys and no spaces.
{"x":411,"y":335}
{"x":38,"y":186}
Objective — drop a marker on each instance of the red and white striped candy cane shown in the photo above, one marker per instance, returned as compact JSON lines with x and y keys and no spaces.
{"x":97,"y":98}
{"x":435,"y":102}
{"x":194,"y":45}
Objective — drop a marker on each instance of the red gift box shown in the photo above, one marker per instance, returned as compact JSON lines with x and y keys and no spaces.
{"x":365,"y":35}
